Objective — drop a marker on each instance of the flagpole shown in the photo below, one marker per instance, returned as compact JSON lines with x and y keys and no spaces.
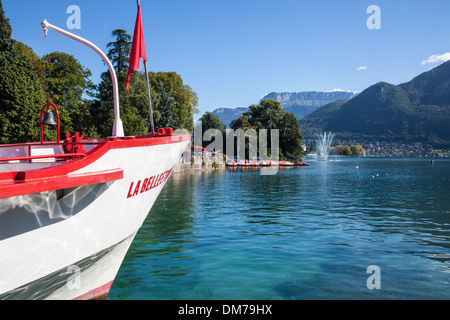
{"x":150,"y":109}
{"x":149,"y":97}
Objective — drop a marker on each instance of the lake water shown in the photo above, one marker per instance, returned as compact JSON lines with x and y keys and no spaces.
{"x":304,"y":233}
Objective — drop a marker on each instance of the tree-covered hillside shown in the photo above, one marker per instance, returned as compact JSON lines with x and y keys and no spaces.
{"x":416,"y":111}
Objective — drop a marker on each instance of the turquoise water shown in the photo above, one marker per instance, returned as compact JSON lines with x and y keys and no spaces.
{"x":304,"y":233}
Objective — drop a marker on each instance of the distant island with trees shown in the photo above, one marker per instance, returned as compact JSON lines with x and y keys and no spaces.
{"x":268,"y":114}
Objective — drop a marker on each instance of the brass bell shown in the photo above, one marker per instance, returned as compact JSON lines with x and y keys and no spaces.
{"x":48,"y":120}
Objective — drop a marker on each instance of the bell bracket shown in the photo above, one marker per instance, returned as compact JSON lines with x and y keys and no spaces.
{"x":46,"y":109}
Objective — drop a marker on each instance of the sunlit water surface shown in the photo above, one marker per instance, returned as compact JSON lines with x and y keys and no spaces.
{"x":304,"y":233}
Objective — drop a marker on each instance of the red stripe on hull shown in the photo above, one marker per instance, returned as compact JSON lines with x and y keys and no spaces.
{"x":18,"y":188}
{"x":96,"y":294}
{"x":97,"y":153}
{"x":51,"y":178}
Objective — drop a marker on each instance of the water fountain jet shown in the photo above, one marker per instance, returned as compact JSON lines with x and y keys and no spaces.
{"x":323,"y":145}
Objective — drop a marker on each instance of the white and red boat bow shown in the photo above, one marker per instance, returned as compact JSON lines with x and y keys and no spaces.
{"x":76,"y":214}
{"x":70,"y":210}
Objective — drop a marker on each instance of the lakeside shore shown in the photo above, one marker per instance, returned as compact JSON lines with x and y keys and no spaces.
{"x":189,"y":167}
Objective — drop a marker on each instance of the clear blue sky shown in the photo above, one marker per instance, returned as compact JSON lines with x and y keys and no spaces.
{"x":232,"y":52}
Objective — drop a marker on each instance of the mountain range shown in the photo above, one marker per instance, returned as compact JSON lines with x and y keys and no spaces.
{"x":303,"y":103}
{"x":299,"y":103}
{"x":226,"y":115}
{"x":415,"y":111}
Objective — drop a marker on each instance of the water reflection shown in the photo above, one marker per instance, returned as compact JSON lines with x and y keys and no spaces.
{"x":161,"y":241}
{"x":304,"y":233}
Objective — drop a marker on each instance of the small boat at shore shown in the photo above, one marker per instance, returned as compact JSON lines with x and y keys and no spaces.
{"x":292,"y":164}
{"x":301,"y":164}
{"x":247,"y":163}
{"x":70,"y":209}
{"x":264,"y":163}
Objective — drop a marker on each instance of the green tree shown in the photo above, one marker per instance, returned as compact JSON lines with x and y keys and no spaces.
{"x":173,"y":102}
{"x":119,"y":50}
{"x":65,"y":82}
{"x":343,"y":150}
{"x":36,"y":62}
{"x":357,"y":150}
{"x":290,"y":136}
{"x":21,"y":97}
{"x":270,"y":115}
{"x":244,"y":122}
{"x":133,"y":107}
{"x":210,"y":121}
{"x":5,"y":27}
{"x":101,"y":108}
{"x":178,"y":101}
{"x":165,"y":114}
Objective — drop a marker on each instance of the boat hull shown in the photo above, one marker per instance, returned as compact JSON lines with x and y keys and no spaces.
{"x":70,"y":246}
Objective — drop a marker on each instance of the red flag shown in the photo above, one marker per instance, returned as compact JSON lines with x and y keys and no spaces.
{"x":138,"y":46}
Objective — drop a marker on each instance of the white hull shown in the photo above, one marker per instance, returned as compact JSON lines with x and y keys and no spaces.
{"x":71,"y":246}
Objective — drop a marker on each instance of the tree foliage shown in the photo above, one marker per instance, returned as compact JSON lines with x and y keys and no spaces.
{"x":20,"y":90}
{"x":290,"y":136}
{"x":343,"y":150}
{"x":173,"y":102}
{"x":270,"y":115}
{"x":133,"y":108}
{"x":211,"y":121}
{"x":357,"y":150}
{"x":65,"y":81}
{"x":5,"y":27}
{"x":176,"y":102}
{"x":119,"y":50}
{"x":354,"y":150}
{"x":28,"y":81}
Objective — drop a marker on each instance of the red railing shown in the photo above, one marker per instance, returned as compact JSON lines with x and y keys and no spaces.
{"x":47,"y":156}
{"x":72,"y":148}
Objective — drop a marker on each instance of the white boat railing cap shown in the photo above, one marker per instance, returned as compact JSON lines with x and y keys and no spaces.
{"x":117,"y":125}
